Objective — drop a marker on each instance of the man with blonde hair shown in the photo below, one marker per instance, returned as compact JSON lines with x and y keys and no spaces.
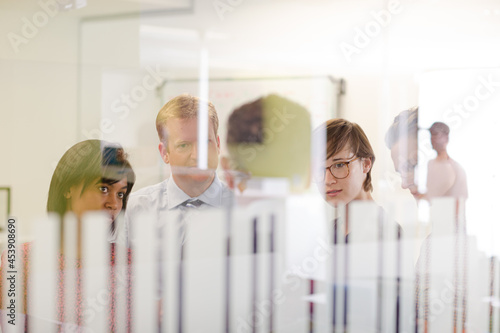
{"x":177,"y":126}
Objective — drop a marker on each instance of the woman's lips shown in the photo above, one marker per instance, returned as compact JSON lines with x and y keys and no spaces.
{"x":333,"y":193}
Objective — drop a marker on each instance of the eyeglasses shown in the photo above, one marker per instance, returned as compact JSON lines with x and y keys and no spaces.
{"x":339,"y":170}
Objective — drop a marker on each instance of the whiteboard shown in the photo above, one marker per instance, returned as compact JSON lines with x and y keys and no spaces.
{"x":133,"y":124}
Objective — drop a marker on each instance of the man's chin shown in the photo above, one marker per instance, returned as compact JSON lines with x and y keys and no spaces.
{"x":201,"y":178}
{"x":198,"y":176}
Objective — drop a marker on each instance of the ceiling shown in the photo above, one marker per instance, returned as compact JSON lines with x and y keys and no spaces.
{"x":97,"y":8}
{"x":264,"y":36}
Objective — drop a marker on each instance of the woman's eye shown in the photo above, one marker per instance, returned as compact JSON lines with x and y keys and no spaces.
{"x":338,"y":165}
{"x":121,"y":195}
{"x":103,"y":189}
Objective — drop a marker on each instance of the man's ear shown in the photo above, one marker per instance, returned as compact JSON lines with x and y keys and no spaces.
{"x":218,"y":144}
{"x":367,"y":164}
{"x":163,"y":152}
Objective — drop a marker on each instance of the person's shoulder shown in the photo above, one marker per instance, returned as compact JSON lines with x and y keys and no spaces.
{"x":146,"y":196}
{"x":440,"y":165}
{"x":227,"y":195}
{"x":456,"y":165}
{"x":150,"y":190}
{"x":225,"y":188}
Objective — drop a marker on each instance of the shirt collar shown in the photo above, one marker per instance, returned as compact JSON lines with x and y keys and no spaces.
{"x":211,"y":196}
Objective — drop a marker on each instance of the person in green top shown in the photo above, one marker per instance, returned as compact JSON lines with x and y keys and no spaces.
{"x":271,"y":137}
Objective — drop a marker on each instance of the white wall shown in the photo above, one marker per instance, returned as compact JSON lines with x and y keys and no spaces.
{"x":38,"y":107}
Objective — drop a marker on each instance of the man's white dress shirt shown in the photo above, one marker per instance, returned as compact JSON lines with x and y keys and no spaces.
{"x":158,"y":199}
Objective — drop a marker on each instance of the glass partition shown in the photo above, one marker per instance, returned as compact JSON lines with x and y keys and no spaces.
{"x":274,"y":215}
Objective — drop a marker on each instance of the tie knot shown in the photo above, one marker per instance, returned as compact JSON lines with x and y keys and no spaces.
{"x":192,"y":203}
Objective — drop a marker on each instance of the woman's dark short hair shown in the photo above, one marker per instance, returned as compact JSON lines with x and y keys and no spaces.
{"x":83,"y":163}
{"x":341,"y":133}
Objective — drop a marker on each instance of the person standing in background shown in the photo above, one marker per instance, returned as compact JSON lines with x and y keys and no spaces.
{"x":445,"y":177}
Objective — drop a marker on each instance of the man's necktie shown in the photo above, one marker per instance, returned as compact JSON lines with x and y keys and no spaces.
{"x":186,"y":206}
{"x":192,"y":203}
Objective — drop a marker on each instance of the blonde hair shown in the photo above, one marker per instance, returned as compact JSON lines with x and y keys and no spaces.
{"x":183,"y":106}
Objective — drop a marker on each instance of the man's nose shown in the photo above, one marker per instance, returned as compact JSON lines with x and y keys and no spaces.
{"x":194,"y":151}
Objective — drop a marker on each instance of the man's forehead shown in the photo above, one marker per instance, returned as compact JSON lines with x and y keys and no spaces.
{"x":179,"y":129}
{"x":177,"y":123}
{"x":438,"y":133}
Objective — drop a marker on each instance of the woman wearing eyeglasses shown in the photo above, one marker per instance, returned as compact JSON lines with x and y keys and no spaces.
{"x":346,"y":175}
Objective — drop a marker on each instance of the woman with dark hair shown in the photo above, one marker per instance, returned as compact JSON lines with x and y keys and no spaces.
{"x":92,"y":175}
